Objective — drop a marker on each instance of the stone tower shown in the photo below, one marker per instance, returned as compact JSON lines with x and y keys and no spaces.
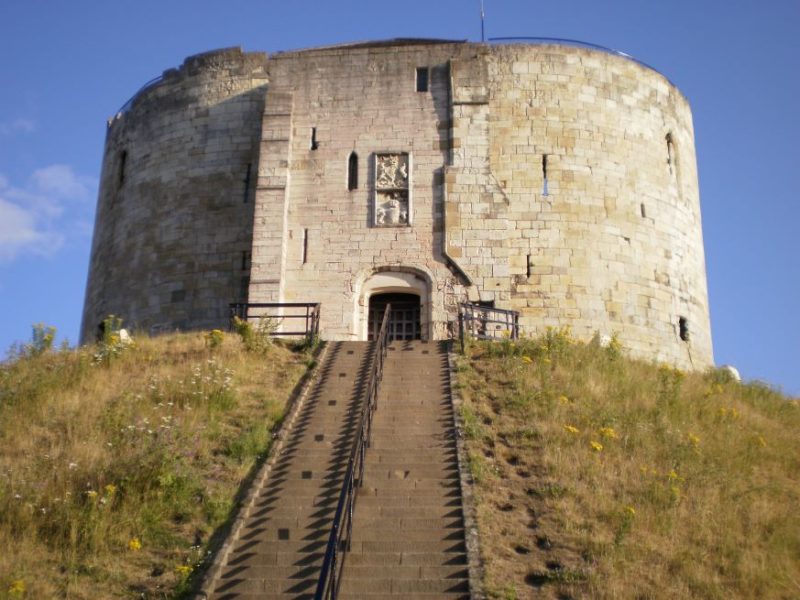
{"x":554,"y":180}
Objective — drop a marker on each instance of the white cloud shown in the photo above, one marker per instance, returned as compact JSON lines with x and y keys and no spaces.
{"x":40,"y":217}
{"x":61,"y":182}
{"x":19,"y":125}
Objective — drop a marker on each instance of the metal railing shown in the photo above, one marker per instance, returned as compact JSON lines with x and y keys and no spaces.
{"x":342,"y":529}
{"x":280,"y":314}
{"x":574,"y":44}
{"x":486,"y":323}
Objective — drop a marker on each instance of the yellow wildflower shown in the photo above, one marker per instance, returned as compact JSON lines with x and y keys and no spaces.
{"x":546,"y":360}
{"x":563,"y":400}
{"x":694,"y":440}
{"x":134,"y":544}
{"x":92,"y":494}
{"x":111,"y":489}
{"x":571,"y":429}
{"x":761,"y":441}
{"x":608,"y":432}
{"x":527,"y":360}
{"x":673,"y":475}
{"x":596,"y":446}
{"x":630,"y":510}
{"x":17,"y":587}
{"x":183,"y":570}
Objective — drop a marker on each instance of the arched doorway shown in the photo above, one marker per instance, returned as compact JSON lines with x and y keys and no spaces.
{"x":404,"y":316}
{"x":407,"y":289}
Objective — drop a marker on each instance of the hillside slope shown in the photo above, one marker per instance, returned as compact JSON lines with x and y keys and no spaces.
{"x":119,"y":461}
{"x":602,"y":477}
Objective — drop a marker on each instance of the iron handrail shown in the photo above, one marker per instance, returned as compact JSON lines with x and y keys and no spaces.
{"x":471,"y":314}
{"x":310,"y":315}
{"x":341,"y":530}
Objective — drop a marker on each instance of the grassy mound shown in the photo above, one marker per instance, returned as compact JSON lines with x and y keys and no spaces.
{"x":598,"y":476}
{"x":118,"y":461}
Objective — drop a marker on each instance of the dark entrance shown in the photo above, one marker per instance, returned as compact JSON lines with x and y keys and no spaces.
{"x":404,"y":321}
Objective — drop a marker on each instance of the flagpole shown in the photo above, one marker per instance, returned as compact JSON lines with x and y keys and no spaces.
{"x":483,"y":39}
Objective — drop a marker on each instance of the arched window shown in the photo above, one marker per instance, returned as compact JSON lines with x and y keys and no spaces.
{"x":670,"y":153}
{"x":352,"y":171}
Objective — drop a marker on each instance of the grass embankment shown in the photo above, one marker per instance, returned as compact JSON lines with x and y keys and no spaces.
{"x":118,"y":462}
{"x":598,"y":476}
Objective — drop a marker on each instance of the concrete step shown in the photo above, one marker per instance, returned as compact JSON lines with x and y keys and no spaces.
{"x":407,"y":558}
{"x":409,"y":537}
{"x":382,"y":546}
{"x":407,"y":572}
{"x":404,"y":524}
{"x":397,"y":587}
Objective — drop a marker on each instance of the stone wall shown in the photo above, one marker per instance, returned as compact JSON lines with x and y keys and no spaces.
{"x":174,"y":222}
{"x":363,"y":100}
{"x":614,"y":244}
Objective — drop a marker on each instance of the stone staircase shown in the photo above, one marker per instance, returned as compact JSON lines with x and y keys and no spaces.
{"x":280,"y":546}
{"x":408,"y":530}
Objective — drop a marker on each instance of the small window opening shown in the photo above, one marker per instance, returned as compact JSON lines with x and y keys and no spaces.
{"x":352,"y":171}
{"x":643,"y":211}
{"x":244,"y":287}
{"x":683,"y":328}
{"x":245,"y":261}
{"x":314,"y":143}
{"x":305,"y":246}
{"x":544,"y":175}
{"x":123,"y":160}
{"x":247,"y":182}
{"x":422,"y":79}
{"x":670,"y":153}
{"x":528,"y":267}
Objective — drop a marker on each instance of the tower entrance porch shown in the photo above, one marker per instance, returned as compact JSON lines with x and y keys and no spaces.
{"x":407,"y":289}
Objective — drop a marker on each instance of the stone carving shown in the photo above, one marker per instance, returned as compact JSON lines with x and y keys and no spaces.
{"x":391,"y":189}
{"x":391,"y":209}
{"x":392,"y":171}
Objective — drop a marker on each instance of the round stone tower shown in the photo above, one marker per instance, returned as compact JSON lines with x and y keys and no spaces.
{"x":175,"y":214}
{"x":555,"y":180}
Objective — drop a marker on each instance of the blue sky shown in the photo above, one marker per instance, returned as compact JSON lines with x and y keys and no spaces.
{"x":67,"y":66}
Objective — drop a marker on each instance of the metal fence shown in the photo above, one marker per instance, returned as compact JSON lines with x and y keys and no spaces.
{"x":486,"y":323}
{"x":287,"y":319}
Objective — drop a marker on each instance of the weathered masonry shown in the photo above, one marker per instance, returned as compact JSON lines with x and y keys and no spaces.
{"x":554,"y":180}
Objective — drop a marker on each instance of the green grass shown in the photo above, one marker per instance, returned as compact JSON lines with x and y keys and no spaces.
{"x":118,"y":462}
{"x":603,"y":477}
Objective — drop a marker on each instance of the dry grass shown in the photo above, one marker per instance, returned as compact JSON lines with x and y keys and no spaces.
{"x":117,"y":463}
{"x":603,"y":477}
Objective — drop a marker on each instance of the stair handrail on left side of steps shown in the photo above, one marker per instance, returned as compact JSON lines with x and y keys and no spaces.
{"x":342,"y":529}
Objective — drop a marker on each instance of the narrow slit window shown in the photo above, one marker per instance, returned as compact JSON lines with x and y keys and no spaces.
{"x":123,"y":160}
{"x":305,"y":246}
{"x":670,"y":153}
{"x":422,"y":79}
{"x":352,"y":171}
{"x":314,"y":143}
{"x":528,"y":267}
{"x":245,"y":260}
{"x":642,"y":210}
{"x":247,"y":182}
{"x":683,"y":328}
{"x":544,"y":175}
